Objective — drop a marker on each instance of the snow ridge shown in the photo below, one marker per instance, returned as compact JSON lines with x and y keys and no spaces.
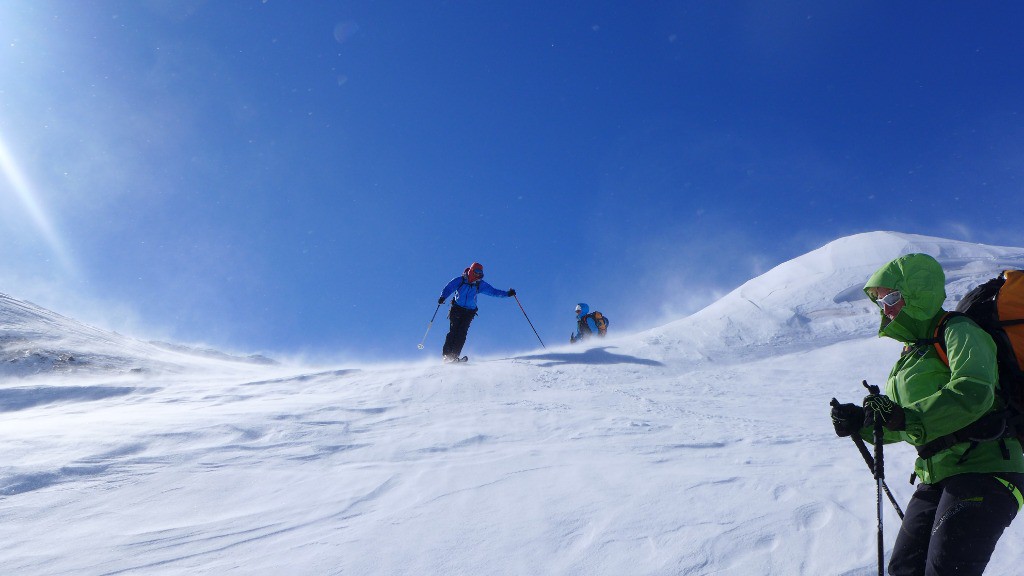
{"x":34,"y":340}
{"x":818,"y":299}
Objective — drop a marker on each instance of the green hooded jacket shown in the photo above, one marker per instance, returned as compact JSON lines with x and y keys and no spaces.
{"x":936,"y":398}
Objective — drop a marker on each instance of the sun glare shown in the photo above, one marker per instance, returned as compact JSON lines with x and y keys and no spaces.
{"x":22,"y":188}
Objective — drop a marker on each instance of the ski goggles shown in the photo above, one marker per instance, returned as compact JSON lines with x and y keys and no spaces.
{"x":889,"y":299}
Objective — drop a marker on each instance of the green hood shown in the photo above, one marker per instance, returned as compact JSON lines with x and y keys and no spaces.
{"x":920,"y":279}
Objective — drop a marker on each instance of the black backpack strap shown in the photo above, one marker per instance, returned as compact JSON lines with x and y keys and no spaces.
{"x":584,"y":328}
{"x":988,"y":428}
{"x":938,"y":339}
{"x":926,"y":451}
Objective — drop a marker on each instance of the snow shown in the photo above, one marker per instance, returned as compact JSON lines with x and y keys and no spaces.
{"x":699,"y":447}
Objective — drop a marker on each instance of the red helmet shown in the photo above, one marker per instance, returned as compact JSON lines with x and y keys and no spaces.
{"x":474,"y":272}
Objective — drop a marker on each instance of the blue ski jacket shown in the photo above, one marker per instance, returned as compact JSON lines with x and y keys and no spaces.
{"x":580,"y":334}
{"x":465,"y":292}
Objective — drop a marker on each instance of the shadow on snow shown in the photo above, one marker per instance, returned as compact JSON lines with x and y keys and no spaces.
{"x":590,"y":356}
{"x":14,"y":399}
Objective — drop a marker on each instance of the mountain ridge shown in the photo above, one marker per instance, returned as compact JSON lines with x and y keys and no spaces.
{"x":764,"y":315}
{"x":35,"y":340}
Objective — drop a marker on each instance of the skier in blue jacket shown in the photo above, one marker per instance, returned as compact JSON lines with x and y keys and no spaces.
{"x":588,"y":324}
{"x":463,"y":308}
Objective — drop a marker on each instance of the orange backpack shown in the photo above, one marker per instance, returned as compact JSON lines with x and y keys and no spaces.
{"x":600,"y":320}
{"x":997,"y":306}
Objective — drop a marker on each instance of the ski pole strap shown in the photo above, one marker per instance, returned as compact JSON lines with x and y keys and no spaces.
{"x":1013,"y":490}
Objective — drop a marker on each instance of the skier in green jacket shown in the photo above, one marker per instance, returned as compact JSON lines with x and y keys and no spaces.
{"x":970,"y":491}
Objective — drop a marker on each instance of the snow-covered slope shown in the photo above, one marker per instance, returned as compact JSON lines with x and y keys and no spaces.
{"x":34,"y":340}
{"x":699,"y":447}
{"x":818,"y":298}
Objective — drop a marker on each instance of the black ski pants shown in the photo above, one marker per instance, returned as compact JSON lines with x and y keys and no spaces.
{"x":460,"y":318}
{"x":951,"y":527}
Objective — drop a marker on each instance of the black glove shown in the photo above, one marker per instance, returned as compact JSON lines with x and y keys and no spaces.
{"x":440,"y":300}
{"x":847,"y":419}
{"x":511,"y":292}
{"x":885,"y":409}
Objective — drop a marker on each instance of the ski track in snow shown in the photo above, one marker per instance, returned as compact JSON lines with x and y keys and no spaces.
{"x":702,"y":447}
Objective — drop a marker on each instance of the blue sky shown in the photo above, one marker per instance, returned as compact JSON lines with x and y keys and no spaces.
{"x":304,"y":177}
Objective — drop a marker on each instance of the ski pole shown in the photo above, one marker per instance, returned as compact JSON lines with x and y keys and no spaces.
{"x":879,"y":479}
{"x":531,"y":323}
{"x":420,"y":345}
{"x":859,"y":442}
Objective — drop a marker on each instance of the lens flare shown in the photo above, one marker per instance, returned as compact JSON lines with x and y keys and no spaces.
{"x":22,"y":188}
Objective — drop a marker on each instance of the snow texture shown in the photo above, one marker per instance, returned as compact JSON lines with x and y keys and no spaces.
{"x":699,"y":447}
